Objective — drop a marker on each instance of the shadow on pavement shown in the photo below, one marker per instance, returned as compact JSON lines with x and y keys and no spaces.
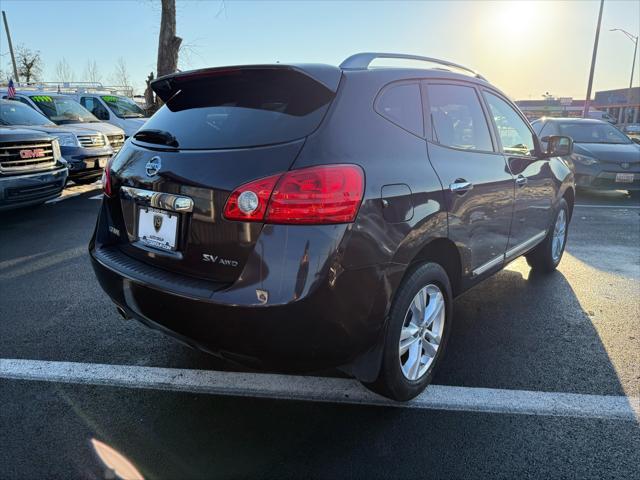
{"x":526,"y":333}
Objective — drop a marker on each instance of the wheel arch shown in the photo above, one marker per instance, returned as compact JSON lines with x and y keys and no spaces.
{"x":570,"y":197}
{"x":446,"y":254}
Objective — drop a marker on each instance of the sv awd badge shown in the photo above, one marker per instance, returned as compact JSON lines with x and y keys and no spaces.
{"x":206,"y":257}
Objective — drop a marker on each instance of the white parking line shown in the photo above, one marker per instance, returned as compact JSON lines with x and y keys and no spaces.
{"x":320,"y":389}
{"x":619,"y":207}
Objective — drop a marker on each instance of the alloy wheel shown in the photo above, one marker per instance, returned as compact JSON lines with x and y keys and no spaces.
{"x":559,"y":231}
{"x":422,"y":331}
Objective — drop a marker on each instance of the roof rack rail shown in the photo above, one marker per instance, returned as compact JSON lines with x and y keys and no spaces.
{"x":361,"y":61}
{"x":76,"y":87}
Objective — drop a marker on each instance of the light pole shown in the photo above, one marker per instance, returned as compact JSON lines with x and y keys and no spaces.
{"x":634,"y":39}
{"x":587,"y":101}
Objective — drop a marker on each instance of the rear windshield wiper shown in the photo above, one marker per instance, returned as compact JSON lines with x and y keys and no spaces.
{"x":156,"y":136}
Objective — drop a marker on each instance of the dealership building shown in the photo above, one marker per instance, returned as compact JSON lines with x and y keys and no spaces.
{"x":622,"y":104}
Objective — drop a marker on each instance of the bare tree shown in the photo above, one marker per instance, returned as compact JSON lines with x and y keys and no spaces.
{"x":64,"y":72}
{"x":168,"y":42}
{"x":92,"y":72}
{"x":149,"y":99}
{"x":120,"y":76}
{"x":29,"y":64}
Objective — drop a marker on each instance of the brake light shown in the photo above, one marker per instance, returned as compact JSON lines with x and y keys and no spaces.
{"x":327,"y":194}
{"x":316,"y":195}
{"x":106,"y":179}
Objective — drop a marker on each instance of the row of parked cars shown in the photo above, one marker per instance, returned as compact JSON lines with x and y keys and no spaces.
{"x":52,"y":135}
{"x":48,"y":137}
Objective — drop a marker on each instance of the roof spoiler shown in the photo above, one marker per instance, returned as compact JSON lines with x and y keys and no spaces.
{"x":167,"y":86}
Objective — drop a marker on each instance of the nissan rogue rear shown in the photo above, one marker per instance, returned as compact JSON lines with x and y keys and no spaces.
{"x":303,"y":217}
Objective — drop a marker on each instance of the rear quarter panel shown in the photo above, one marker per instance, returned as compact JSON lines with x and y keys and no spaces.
{"x":354,"y":132}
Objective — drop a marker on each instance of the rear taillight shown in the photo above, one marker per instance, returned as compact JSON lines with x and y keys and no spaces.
{"x":315,"y":195}
{"x":106,"y":179}
{"x":249,"y":202}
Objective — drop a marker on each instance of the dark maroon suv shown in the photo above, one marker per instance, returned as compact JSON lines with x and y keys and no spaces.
{"x":296,"y":217}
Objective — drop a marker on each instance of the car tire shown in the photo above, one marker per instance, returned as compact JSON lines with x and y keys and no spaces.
{"x":396,"y":378}
{"x":546,"y":257}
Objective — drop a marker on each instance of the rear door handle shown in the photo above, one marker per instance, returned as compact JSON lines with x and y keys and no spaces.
{"x":460,"y":186}
{"x":521,"y":181}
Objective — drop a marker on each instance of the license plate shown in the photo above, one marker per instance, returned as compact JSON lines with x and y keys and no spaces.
{"x":624,"y":177}
{"x":157,"y":228}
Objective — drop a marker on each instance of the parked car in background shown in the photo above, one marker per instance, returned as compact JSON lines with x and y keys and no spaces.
{"x":600,"y":115}
{"x":603,"y":156}
{"x":31,"y":168}
{"x":632,"y":130}
{"x":86,"y":151}
{"x":64,"y":110}
{"x":299,"y":217}
{"x":116,"y":109}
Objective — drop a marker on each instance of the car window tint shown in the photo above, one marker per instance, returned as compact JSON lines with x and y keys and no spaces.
{"x":401,"y":104}
{"x":457,"y":119}
{"x":514,"y":134}
{"x":593,"y":133}
{"x":242,"y":108}
{"x":87,"y":102}
{"x":20,"y":99}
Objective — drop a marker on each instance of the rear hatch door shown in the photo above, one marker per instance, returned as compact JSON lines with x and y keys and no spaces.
{"x":219,"y":129}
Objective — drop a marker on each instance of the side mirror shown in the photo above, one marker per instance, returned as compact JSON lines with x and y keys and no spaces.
{"x":558,"y":146}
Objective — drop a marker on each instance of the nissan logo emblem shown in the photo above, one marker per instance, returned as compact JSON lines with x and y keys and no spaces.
{"x":153,"y":166}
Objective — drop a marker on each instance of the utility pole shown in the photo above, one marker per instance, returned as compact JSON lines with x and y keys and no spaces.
{"x":634,"y":39}
{"x":587,"y":101}
{"x":13,"y":57}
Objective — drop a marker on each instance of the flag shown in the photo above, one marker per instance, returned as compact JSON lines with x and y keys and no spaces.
{"x":11,"y":90}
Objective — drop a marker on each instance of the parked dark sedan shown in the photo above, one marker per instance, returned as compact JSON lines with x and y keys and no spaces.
{"x":604,"y":157}
{"x":297,"y":217}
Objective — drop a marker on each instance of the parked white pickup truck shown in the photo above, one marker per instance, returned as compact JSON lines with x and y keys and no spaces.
{"x":113,"y":105}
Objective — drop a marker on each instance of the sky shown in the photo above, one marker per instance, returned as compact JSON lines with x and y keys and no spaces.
{"x":525,"y":48}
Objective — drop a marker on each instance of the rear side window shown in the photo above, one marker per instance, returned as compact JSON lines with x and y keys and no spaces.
{"x":457,"y":119}
{"x":402,"y":104}
{"x":242,"y":108}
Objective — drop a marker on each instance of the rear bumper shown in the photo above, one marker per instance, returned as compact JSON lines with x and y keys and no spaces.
{"x":30,"y":189}
{"x":335,"y":321}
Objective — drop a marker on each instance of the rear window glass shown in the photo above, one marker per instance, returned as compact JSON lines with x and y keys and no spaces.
{"x":402,"y":104}
{"x":242,"y":108}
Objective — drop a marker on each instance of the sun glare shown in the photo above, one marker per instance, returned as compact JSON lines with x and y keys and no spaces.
{"x":516,"y":16}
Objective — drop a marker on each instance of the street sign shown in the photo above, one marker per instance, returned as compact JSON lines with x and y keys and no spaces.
{"x":565,"y":100}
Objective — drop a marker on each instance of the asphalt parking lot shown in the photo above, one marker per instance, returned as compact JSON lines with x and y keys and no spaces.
{"x":541,"y":378}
